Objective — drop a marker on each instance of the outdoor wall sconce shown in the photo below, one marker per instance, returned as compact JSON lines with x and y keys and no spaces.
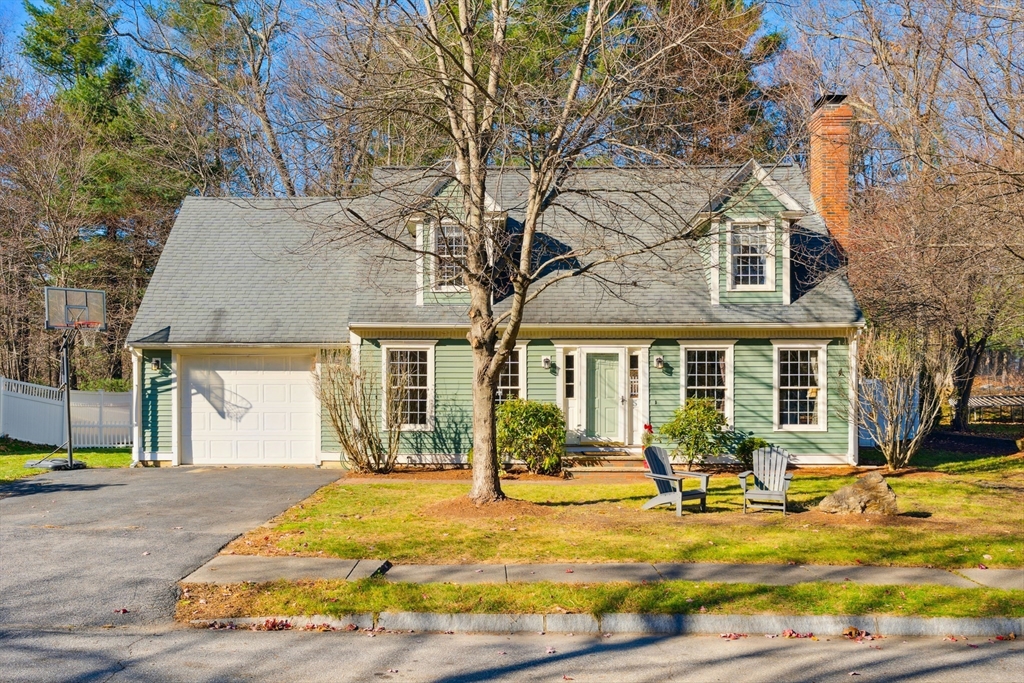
{"x":155,"y":364}
{"x":659,"y":362}
{"x":545,"y":362}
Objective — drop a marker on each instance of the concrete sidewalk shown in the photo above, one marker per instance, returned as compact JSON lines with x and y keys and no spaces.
{"x":224,"y":569}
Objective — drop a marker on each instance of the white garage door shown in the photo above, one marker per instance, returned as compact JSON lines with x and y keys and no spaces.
{"x":249,"y":410}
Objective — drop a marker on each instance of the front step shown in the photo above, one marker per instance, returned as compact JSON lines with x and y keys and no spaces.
{"x":604,"y":460}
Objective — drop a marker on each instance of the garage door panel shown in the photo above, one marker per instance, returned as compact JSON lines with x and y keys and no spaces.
{"x":301,"y":422}
{"x":275,"y":422}
{"x":275,"y":393}
{"x":250,"y":409}
{"x":301,"y":393}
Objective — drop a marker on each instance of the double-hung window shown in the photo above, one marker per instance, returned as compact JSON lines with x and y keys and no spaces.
{"x":707,"y":373}
{"x":751,"y":257}
{"x":510,"y":378}
{"x":450,"y":251}
{"x":408,"y":381}
{"x":800,"y":391}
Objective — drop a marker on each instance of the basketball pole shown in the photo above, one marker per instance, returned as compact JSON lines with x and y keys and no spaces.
{"x":66,"y":371}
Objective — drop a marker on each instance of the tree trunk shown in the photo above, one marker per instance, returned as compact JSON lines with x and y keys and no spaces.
{"x":968,"y":356}
{"x":486,"y":485}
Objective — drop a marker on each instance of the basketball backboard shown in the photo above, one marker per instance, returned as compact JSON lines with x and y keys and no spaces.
{"x":75,"y":308}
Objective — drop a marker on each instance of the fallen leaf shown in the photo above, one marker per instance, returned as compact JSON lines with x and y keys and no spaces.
{"x":771,"y":635}
{"x":479,"y":571}
{"x":567,"y":678}
{"x":145,"y":553}
{"x":607,"y":635}
{"x":551,"y":650}
{"x":855,"y":673}
{"x":502,"y":653}
{"x":733,"y":636}
{"x":569,"y":571}
{"x":981,"y":566}
{"x":124,"y":611}
{"x":972,"y":645}
{"x":392,"y":671}
{"x":177,"y":527}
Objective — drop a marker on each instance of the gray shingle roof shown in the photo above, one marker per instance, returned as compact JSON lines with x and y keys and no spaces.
{"x":273,"y":271}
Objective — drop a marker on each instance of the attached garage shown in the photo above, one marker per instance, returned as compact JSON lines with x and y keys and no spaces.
{"x":248,"y":410}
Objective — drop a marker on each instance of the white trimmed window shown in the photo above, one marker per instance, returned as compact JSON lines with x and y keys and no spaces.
{"x":708,"y":373}
{"x":409,"y":378}
{"x":800,"y":386}
{"x":450,"y":249}
{"x":751,"y":257}
{"x":511,"y":379}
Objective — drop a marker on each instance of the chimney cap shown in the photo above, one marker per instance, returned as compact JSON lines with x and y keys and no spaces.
{"x":828,"y":98}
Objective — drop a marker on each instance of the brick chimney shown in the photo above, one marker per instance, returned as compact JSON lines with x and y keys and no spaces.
{"x":829,"y":164}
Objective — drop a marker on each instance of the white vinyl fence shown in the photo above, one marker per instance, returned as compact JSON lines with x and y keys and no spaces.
{"x":34,"y":413}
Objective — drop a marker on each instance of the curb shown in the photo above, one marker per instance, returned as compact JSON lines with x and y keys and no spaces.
{"x":660,"y":624}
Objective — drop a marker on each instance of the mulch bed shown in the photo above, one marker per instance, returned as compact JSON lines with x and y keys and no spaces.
{"x":431,"y":473}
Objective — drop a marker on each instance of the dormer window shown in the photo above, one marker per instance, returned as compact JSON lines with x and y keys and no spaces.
{"x":450,"y":256}
{"x":751,"y":257}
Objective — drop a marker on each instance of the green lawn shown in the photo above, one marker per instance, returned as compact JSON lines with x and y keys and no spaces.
{"x":338,"y":598}
{"x":962,"y":512}
{"x":14,"y":456}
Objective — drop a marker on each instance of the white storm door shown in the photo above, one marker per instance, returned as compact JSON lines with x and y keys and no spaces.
{"x":249,"y":410}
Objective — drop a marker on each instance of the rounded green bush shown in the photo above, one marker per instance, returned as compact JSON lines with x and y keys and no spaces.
{"x":531,"y":432}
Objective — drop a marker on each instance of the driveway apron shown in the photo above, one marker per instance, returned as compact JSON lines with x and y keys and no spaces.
{"x":79,"y":548}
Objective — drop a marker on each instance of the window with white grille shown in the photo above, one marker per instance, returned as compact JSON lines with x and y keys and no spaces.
{"x":409,"y":382}
{"x":751,"y":257}
{"x":450,"y":248}
{"x":508,"y":379}
{"x":798,"y":388}
{"x":706,"y":375}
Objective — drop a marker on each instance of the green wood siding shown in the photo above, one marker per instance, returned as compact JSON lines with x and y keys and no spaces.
{"x":540,"y":383}
{"x":664,"y":383}
{"x":753,"y":394}
{"x":754,"y":398}
{"x":753,"y":383}
{"x":157,"y":388}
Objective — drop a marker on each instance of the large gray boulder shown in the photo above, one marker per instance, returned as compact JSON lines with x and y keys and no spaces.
{"x":869,"y":495}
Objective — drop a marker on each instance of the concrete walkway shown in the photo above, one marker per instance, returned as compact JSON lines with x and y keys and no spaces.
{"x":224,"y":569}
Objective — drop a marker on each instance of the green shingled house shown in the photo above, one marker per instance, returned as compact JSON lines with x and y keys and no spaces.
{"x":248,"y":292}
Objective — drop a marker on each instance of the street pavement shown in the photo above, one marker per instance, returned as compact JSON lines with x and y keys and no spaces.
{"x":89,"y":561}
{"x":176,"y":654}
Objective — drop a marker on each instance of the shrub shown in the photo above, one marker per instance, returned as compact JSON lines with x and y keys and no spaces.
{"x":532,"y":432}
{"x":696,"y":429}
{"x":745,"y":450}
{"x":106,"y":384}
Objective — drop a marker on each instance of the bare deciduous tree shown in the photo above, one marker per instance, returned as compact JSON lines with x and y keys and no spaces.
{"x":539,"y":89}
{"x":939,"y":90}
{"x":354,"y":399}
{"x":902,"y":385}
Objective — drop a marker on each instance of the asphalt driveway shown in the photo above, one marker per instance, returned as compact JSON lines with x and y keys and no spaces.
{"x":76,"y":548}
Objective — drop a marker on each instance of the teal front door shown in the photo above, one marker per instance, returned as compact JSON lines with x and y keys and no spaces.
{"x":603,"y":396}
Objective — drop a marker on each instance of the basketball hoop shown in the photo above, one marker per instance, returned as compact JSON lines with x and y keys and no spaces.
{"x":72,"y":310}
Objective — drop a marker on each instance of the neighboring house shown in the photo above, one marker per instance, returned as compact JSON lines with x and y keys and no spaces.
{"x":248,"y":292}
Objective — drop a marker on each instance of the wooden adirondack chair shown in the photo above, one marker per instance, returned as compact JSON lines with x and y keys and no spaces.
{"x":670,"y":483}
{"x":771,"y":480}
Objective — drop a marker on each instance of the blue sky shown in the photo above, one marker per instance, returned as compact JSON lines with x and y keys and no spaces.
{"x":13,"y":13}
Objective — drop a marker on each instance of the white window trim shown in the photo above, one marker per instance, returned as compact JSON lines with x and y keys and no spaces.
{"x":523,"y":359}
{"x":821,"y":346}
{"x":385,"y":349}
{"x":729,"y":347}
{"x":787,"y":296}
{"x":730,"y":230}
{"x":434,"y":286}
